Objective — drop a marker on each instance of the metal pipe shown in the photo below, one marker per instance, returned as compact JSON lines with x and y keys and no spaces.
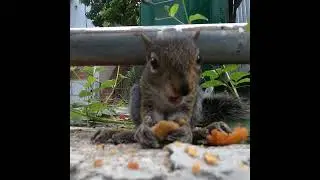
{"x":218,"y":43}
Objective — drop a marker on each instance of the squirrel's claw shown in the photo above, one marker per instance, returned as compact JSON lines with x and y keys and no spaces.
{"x":183,"y":134}
{"x":145,"y":137}
{"x":221,"y":126}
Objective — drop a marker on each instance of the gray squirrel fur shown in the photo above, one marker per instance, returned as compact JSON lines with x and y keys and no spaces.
{"x":209,"y":108}
{"x":203,"y":109}
{"x":210,"y":112}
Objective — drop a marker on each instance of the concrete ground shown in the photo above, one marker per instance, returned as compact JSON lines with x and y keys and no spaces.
{"x":171,"y":162}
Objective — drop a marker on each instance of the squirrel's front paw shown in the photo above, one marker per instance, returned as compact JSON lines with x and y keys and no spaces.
{"x":102,"y":136}
{"x":221,"y":126}
{"x":182,"y":134}
{"x":124,"y":137}
{"x":145,"y":137}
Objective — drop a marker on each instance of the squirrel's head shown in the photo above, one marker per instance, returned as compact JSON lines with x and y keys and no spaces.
{"x":173,"y":64}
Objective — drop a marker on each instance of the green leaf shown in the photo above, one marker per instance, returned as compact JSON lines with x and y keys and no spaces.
{"x":95,"y":106}
{"x":218,"y":70}
{"x":90,"y":81}
{"x":245,"y":80}
{"x":107,"y":84}
{"x":84,"y":93}
{"x":88,"y":70}
{"x":77,"y":105}
{"x":197,"y":17}
{"x":173,"y":10}
{"x":230,"y":67}
{"x":211,"y":73}
{"x":236,"y":76}
{"x":213,"y":83}
{"x":98,"y":69}
{"x":109,"y":112}
{"x":76,"y":116}
{"x":96,"y":90}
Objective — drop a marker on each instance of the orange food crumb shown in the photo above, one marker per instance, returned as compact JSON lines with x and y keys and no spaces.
{"x":100,"y":146}
{"x":133,"y":165}
{"x":113,"y":152}
{"x":98,"y":163}
{"x":163,"y":128}
{"x":178,"y":143}
{"x":219,"y":138}
{"x":192,"y":151}
{"x":196,"y":168}
{"x":181,"y":122}
{"x":244,"y":166}
{"x":210,"y":158}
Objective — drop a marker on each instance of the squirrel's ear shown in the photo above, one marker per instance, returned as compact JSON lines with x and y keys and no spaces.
{"x":195,"y":35}
{"x":147,"y":41}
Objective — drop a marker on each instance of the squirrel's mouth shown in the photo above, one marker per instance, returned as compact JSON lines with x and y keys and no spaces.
{"x":175,"y":100}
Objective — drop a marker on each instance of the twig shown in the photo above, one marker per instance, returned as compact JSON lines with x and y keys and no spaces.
{"x":97,"y":119}
{"x":113,"y":88}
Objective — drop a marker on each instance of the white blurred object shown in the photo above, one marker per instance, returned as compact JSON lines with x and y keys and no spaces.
{"x":208,"y":92}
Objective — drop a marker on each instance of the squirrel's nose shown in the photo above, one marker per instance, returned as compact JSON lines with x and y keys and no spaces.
{"x":184,"y":89}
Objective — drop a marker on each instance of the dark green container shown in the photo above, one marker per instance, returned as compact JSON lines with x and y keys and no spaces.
{"x":215,"y":10}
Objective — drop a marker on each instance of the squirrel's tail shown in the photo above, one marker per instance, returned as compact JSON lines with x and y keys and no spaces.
{"x":223,"y":107}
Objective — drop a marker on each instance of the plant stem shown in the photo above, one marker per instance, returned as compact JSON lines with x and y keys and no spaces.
{"x":103,"y":120}
{"x":87,"y":114}
{"x":113,"y":88}
{"x":157,"y":19}
{"x":178,"y":20}
{"x":234,"y":90}
{"x":185,"y":11}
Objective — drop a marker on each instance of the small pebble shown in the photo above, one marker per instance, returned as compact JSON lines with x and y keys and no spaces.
{"x":196,"y":168}
{"x":210,"y":158}
{"x":192,"y":151}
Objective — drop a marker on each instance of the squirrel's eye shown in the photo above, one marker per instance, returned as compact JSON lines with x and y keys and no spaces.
{"x":198,"y":59}
{"x":154,"y":63}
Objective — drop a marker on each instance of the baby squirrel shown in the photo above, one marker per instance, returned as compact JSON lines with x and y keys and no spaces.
{"x":169,"y":90}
